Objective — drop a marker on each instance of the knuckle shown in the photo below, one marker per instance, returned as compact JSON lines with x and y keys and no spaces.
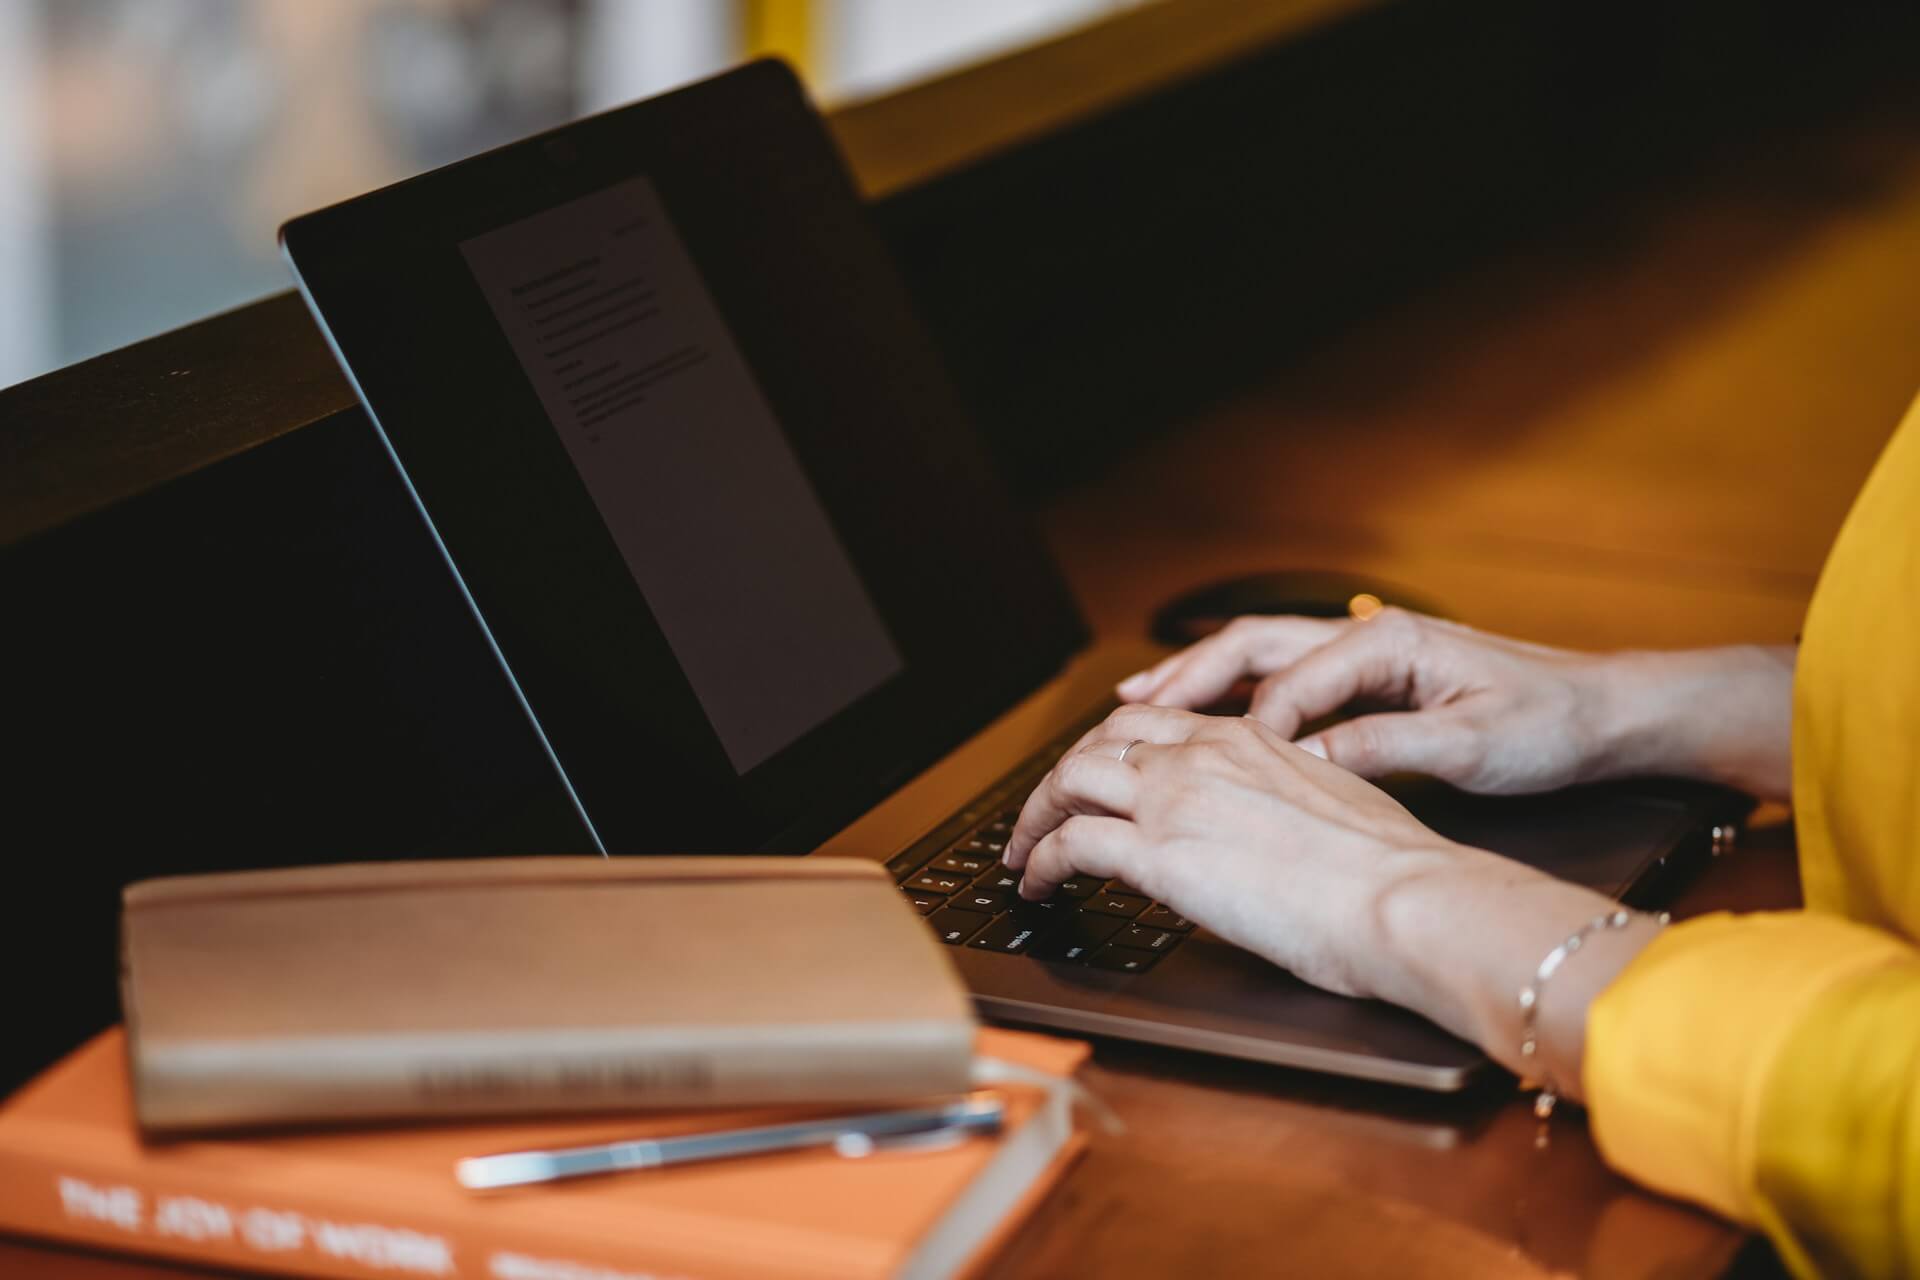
{"x":1397,"y":624}
{"x":1071,"y":772}
{"x":1072,"y":833}
{"x":1400,"y":636}
{"x":1261,"y":735}
{"x":1245,"y":729}
{"x":1086,"y":742}
{"x":1240,"y":628}
{"x":1357,"y":746}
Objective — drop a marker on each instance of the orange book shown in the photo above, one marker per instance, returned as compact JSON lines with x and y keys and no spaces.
{"x":383,"y":1203}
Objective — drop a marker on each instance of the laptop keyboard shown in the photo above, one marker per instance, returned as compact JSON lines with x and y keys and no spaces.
{"x":954,"y":878}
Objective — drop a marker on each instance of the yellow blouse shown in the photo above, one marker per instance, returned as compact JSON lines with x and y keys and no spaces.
{"x":1768,"y":1065}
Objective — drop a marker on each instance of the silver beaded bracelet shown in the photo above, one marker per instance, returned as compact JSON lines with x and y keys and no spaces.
{"x":1549,"y":1093}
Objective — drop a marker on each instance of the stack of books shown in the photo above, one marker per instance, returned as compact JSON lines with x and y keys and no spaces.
{"x":375,"y":1204}
{"x":448,"y":1011}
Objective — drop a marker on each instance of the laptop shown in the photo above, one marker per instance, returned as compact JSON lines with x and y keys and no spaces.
{"x":664,"y":404}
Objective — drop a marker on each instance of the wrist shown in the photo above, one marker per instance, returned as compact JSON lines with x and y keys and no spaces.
{"x":1437,"y":922}
{"x":1716,"y":715}
{"x":1461,"y":933}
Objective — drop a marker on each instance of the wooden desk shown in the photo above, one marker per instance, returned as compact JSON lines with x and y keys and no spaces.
{"x":1641,"y":432}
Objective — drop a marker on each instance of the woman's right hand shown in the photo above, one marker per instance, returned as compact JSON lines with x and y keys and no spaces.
{"x":1493,"y":715}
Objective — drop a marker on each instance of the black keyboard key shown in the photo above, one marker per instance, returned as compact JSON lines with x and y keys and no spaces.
{"x":940,"y":882}
{"x":1160,"y":917}
{"x":1010,"y":934}
{"x":1142,"y":938}
{"x":923,"y":902}
{"x":1079,"y":936}
{"x":955,"y":927}
{"x":916,"y":855}
{"x":1123,"y":906}
{"x":903,"y":865}
{"x":990,"y":901}
{"x":1080,"y":887}
{"x":984,"y":842}
{"x":1124,"y":959}
{"x":962,"y":863}
{"x":999,"y":878}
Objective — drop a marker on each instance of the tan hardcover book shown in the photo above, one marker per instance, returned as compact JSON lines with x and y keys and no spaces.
{"x":527,"y":985}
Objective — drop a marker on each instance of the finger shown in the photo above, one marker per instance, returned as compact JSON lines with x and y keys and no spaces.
{"x":1371,"y":660}
{"x":1430,"y":742}
{"x":1124,"y":724}
{"x":1154,"y":725}
{"x":1082,"y":845}
{"x":1090,"y":781}
{"x":1203,"y":672}
{"x":1161,"y":726}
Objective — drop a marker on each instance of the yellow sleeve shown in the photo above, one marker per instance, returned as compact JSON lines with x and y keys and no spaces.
{"x":1768,"y":1066}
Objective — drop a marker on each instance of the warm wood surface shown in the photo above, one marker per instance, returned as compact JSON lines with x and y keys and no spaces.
{"x":1643,"y":431}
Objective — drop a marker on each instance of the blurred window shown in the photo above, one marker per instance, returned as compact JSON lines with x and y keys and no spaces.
{"x":148,"y":148}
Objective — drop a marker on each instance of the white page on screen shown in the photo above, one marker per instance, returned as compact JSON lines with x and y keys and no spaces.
{"x":690,"y":470}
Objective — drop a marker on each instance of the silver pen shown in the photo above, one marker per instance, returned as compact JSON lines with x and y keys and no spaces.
{"x":851,"y":1135}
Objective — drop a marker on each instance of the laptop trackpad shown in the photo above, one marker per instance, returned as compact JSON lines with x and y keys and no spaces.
{"x":1212,"y":996}
{"x":1603,"y":837}
{"x":1219,"y":987}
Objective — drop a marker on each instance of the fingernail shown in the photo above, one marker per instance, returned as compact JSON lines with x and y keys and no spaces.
{"x":1023,"y":889}
{"x":1136,"y":684}
{"x":1313,"y":746}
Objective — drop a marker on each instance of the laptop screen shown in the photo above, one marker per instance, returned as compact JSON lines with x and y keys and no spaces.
{"x":725,"y":536}
{"x":665,"y":404}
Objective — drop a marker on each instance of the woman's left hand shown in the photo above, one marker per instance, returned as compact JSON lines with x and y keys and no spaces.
{"x":1229,"y":824}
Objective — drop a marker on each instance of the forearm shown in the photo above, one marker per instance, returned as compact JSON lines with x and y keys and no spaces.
{"x":1719,"y":715}
{"x":1460,"y":931}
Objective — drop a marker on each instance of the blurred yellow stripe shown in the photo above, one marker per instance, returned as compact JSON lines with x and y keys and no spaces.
{"x":783,"y":29}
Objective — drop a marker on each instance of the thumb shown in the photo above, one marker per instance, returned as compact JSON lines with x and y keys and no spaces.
{"x":1429,"y":742}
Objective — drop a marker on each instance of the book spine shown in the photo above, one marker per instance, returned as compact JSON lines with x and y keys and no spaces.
{"x":183,"y":1086}
{"x":197,"y":1219}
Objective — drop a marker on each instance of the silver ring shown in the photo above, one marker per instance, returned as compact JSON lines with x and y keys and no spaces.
{"x":1122,"y":757}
